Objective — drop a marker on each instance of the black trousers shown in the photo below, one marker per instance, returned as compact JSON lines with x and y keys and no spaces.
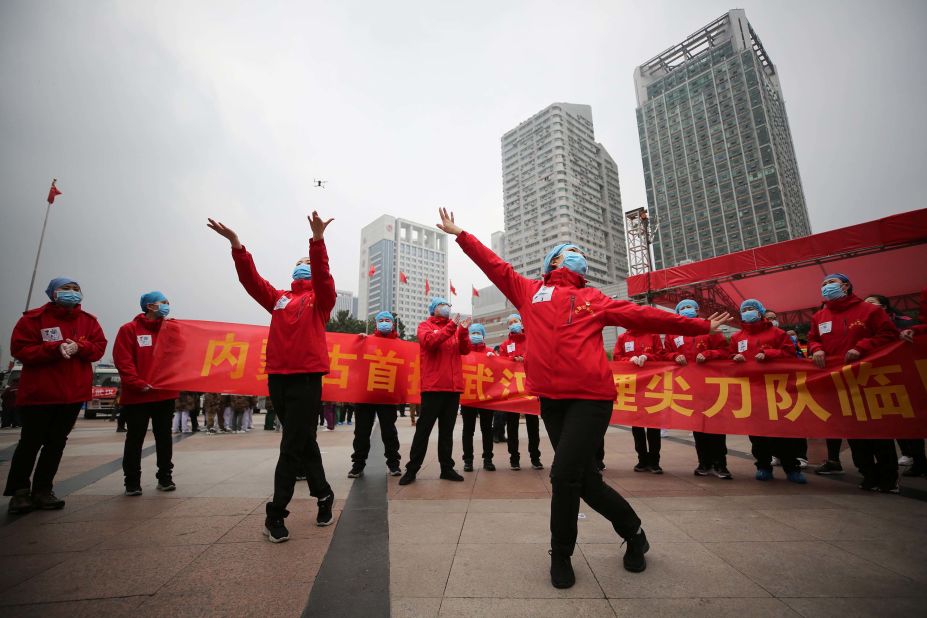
{"x":440,"y":407}
{"x":647,"y":445}
{"x":532,"y":426}
{"x":161,"y":415}
{"x":45,"y":428}
{"x":469,"y":428}
{"x":788,"y":450}
{"x":833,"y":448}
{"x":363,"y":427}
{"x":576,"y":428}
{"x":297,"y":401}
{"x":876,"y":460}
{"x":914,"y":448}
{"x":498,"y":426}
{"x":711,"y":449}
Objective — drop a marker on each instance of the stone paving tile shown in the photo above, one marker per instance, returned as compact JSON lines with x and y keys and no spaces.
{"x":514,"y":571}
{"x":166,"y":532}
{"x":259,"y":596}
{"x":124,"y":508}
{"x":426,"y":528}
{"x":690,"y":503}
{"x":17,"y":569}
{"x":731,"y":526}
{"x":523,"y":505}
{"x":701,"y":608}
{"x":900,"y":554}
{"x":105,"y":573}
{"x":856,"y":607}
{"x":526,"y":608}
{"x":845,"y":524}
{"x":782,"y":568}
{"x":496,"y":528}
{"x":198,"y":507}
{"x":62,"y":537}
{"x":597,"y":529}
{"x":94,"y":608}
{"x":296,"y":559}
{"x":405,"y":607}
{"x":251,"y":529}
{"x":420,"y":570}
{"x":674,"y":570}
{"x":403,"y":507}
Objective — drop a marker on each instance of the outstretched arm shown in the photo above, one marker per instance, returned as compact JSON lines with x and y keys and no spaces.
{"x":322,"y":281}
{"x":257,"y":287}
{"x":648,"y":319}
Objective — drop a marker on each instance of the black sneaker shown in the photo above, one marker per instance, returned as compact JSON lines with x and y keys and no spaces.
{"x":656,"y":469}
{"x":325,"y":517}
{"x":47,"y":501}
{"x":536,"y":464}
{"x":356,"y":471}
{"x":21,"y":502}
{"x":641,"y":467}
{"x":488,"y":465}
{"x":407,"y":478}
{"x":561,"y":570}
{"x":395,"y":471}
{"x":702,"y":471}
{"x":829,"y":467}
{"x":166,"y":486}
{"x":514,"y":465}
{"x":634,"y":560}
{"x":468,"y":465}
{"x":600,"y":466}
{"x":723,"y":473}
{"x":274,"y":529}
{"x":133,"y":491}
{"x":451,"y":475}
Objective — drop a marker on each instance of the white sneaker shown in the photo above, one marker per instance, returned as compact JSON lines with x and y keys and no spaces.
{"x":664,"y":433}
{"x":802,"y":463}
{"x":775,"y":461}
{"x":904,"y":460}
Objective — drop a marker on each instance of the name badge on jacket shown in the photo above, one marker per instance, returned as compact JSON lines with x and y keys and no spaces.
{"x":742,"y":346}
{"x":144,"y":341}
{"x":825,"y":327}
{"x":510,"y":348}
{"x":52,"y":334}
{"x":282,"y":302}
{"x":679,"y":341}
{"x":628,"y":346}
{"x":544,"y":294}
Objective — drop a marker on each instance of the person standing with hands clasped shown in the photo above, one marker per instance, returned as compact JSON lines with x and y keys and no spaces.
{"x":56,"y":344}
{"x":566,"y":367}
{"x":297,"y":358}
{"x":470,"y":415}
{"x":133,"y":354}
{"x":514,"y":347}
{"x":442,"y":341}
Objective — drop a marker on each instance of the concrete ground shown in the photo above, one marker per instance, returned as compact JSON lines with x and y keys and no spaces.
{"x":475,"y":548}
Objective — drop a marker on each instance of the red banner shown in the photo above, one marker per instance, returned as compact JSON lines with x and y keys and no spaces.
{"x":883,"y":396}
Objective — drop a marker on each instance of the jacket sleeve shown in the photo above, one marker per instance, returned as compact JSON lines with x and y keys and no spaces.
{"x":27,"y":346}
{"x":124,"y":358}
{"x":91,"y":348}
{"x":322,"y":282}
{"x":649,"y":320}
{"x":431,"y":340}
{"x":659,"y":352}
{"x":782,"y":347}
{"x":503,"y":349}
{"x":814,"y":338}
{"x":257,"y":286}
{"x":618,"y":352}
{"x":512,"y":285}
{"x":463,"y":340}
{"x":883,"y":332}
{"x":718,"y":350}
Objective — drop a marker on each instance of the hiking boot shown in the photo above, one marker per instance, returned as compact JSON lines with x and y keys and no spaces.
{"x":764,"y":474}
{"x":167,"y":485}
{"x":451,"y":475}
{"x":561,"y":570}
{"x":356,"y":471}
{"x":641,"y":467}
{"x":795,"y":476}
{"x":723,"y":473}
{"x":325,"y":517}
{"x":829,"y":467}
{"x":468,"y":465}
{"x":395,"y":471}
{"x":488,"y":465}
{"x":407,"y":478}
{"x":634,"y":560}
{"x":21,"y":502}
{"x":133,"y":491}
{"x":656,"y":469}
{"x":47,"y":501}
{"x":275,"y":530}
{"x":701,"y":471}
{"x":536,"y":464}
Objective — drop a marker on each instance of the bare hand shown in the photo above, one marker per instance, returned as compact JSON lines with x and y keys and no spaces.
{"x":519,"y":359}
{"x":447,"y":222}
{"x":147,"y":388}
{"x":739,"y":358}
{"x":908,"y":335}
{"x":819,"y":359}
{"x":72,"y":346}
{"x":700,"y":358}
{"x":456,"y":319}
{"x":760,"y":357}
{"x":466,"y":322}
{"x":852,"y":355}
{"x":718,"y":320}
{"x":225,"y":232}
{"x":63,"y":348}
{"x":681,"y":360}
{"x":362,"y":335}
{"x":318,"y":225}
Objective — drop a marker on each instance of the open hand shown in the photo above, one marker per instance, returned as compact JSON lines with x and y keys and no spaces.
{"x":718,"y":320}
{"x":447,"y":222}
{"x":466,"y":322}
{"x":681,"y":360}
{"x":701,"y":358}
{"x":225,"y":232}
{"x":318,"y":225}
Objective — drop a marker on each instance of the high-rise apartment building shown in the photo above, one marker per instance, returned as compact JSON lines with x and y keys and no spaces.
{"x":719,"y":164}
{"x":560,"y":185}
{"x":392,"y":247}
{"x":345,"y":301}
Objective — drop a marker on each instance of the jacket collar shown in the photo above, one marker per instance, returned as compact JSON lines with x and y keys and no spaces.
{"x":59,"y":312}
{"x":301,"y":285}
{"x":565,"y":277}
{"x":842,"y":304}
{"x":756,"y":327}
{"x":150,"y":324}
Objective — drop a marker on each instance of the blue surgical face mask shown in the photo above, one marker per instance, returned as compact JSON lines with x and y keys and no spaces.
{"x":774,"y":323}
{"x":575,"y":262}
{"x":516,"y":328}
{"x":832,"y":291}
{"x":793,"y":338}
{"x":750,"y":315}
{"x":476,"y":338}
{"x":164,"y":309}
{"x":442,"y":311}
{"x":302,"y":271}
{"x":385,"y":327}
{"x":68,"y":298}
{"x":688,"y":312}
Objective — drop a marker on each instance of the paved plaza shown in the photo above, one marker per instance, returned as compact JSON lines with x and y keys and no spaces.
{"x":477,"y":548}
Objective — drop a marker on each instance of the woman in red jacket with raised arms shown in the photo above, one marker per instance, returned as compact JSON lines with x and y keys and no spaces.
{"x":442,"y":342}
{"x":568,"y":370}
{"x":56,"y":344}
{"x":297,"y":358}
{"x":638,"y":347}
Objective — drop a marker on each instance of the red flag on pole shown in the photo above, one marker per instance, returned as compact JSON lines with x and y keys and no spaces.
{"x":427,"y":287}
{"x":402,"y":277}
{"x":453,"y":290}
{"x":475,"y":291}
{"x":373,"y":269}
{"x":53,"y":192}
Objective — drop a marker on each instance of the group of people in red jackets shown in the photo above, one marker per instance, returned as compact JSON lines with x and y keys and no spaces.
{"x":564,"y":359}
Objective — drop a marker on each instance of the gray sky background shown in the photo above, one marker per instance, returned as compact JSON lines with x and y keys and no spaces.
{"x":154,"y":116}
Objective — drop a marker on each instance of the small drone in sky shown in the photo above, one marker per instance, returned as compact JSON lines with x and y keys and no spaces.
{"x":319,"y":184}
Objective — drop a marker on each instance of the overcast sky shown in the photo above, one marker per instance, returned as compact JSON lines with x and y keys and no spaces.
{"x":155,"y":115}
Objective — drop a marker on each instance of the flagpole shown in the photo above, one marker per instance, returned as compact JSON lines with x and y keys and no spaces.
{"x":37,"y":254}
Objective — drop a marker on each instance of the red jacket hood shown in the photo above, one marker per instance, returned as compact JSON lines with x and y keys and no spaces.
{"x":298,"y":286}
{"x":565,"y":276}
{"x":843,"y":304}
{"x":756,"y":327}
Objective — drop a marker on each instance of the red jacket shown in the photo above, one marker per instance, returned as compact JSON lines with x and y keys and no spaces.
{"x":296,"y":342}
{"x":481,"y":348}
{"x":441,"y":344}
{"x":565,"y":356}
{"x":133,"y":353}
{"x":633,"y":343}
{"x":761,"y":336}
{"x":849,"y":323}
{"x":514,"y":345}
{"x":390,"y":335}
{"x":48,"y":377}
{"x":710,"y":346}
